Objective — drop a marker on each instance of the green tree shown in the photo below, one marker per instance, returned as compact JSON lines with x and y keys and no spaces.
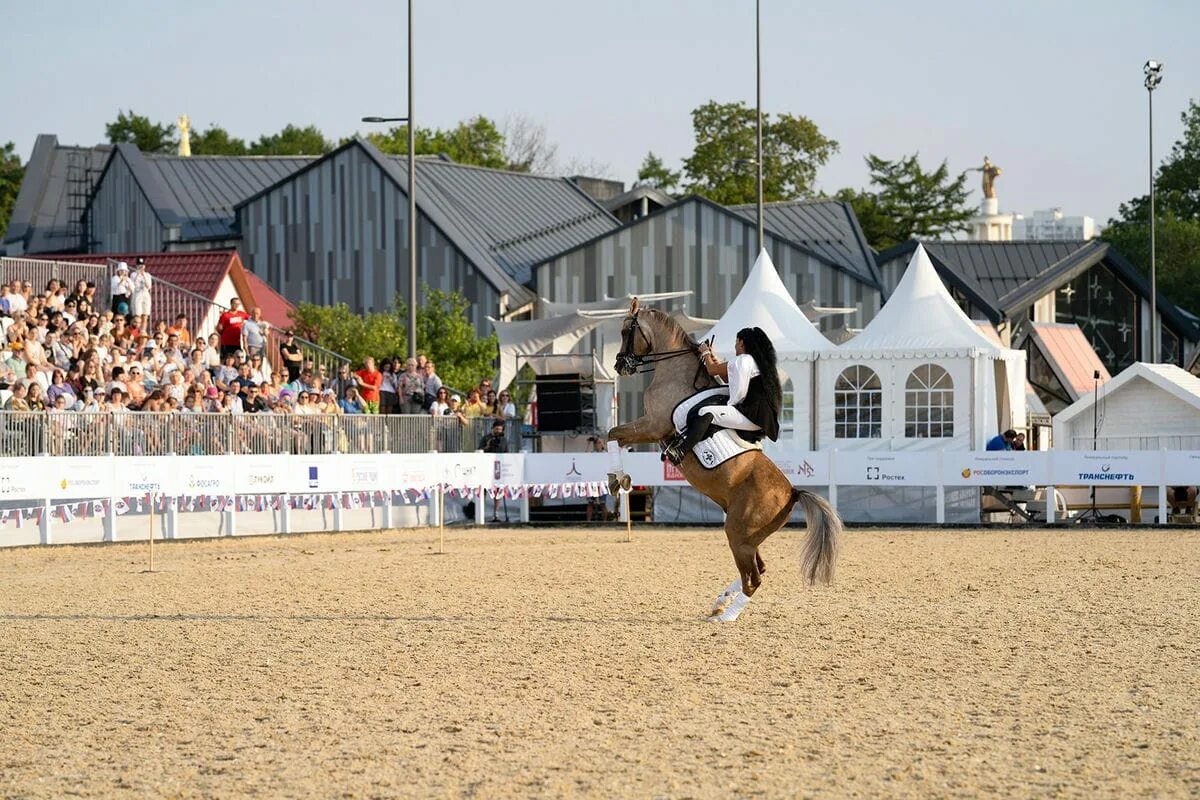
{"x":1177,"y":223}
{"x":11,"y":174}
{"x":150,"y":137}
{"x":292,"y":141}
{"x":722,"y":165}
{"x":444,"y":333}
{"x":654,"y":173}
{"x":907,"y":202}
{"x":216,"y":141}
{"x":476,"y":141}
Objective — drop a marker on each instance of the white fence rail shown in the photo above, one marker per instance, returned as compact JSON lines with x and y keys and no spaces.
{"x":40,"y":495}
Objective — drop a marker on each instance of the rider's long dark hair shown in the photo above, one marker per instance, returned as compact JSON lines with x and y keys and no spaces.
{"x":759,"y":346}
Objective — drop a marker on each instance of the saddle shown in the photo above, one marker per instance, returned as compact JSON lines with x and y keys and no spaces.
{"x":713,"y":445}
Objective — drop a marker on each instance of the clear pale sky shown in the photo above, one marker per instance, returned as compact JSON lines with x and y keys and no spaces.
{"x":1051,"y":91}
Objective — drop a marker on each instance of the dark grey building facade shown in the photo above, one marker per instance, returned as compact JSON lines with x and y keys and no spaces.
{"x":337,"y":231}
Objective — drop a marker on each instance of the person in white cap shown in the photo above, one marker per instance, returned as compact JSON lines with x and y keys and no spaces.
{"x":121,"y":287}
{"x":142,"y":283}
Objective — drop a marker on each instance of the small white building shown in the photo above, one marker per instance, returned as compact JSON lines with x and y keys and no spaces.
{"x":1050,"y":225}
{"x":1145,"y":407}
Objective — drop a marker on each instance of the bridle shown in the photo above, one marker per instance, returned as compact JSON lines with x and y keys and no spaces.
{"x":628,"y":362}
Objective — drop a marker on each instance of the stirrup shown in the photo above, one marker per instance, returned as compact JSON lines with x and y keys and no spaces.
{"x":674,"y":450}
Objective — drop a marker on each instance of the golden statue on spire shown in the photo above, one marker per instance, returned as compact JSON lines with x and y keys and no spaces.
{"x":185,"y":141}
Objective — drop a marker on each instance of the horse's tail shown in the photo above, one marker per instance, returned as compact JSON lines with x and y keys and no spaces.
{"x":824,"y":531}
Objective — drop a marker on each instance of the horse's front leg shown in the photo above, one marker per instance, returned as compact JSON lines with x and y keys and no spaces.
{"x":641,"y":431}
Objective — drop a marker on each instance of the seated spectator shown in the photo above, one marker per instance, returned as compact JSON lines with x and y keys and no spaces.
{"x":1183,"y":499}
{"x":17,"y":401}
{"x":60,"y":388}
{"x":352,"y":403}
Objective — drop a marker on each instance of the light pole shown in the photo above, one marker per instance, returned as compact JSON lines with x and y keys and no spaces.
{"x":412,"y":195}
{"x":1153,"y":71}
{"x":758,"y":131}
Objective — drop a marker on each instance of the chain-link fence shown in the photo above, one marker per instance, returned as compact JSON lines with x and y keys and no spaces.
{"x":140,"y":433}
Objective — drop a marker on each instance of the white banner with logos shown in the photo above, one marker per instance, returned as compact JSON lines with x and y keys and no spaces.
{"x":1087,"y":468}
{"x":260,"y":474}
{"x":146,"y":475}
{"x":582,"y":467}
{"x":873,"y":468}
{"x":61,"y":478}
{"x":205,"y":476}
{"x":996,"y":468}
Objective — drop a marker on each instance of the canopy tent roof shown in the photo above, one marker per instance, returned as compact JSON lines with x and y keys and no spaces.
{"x":551,"y":308}
{"x":765,"y":302}
{"x":1176,"y":382}
{"x":921,"y":319}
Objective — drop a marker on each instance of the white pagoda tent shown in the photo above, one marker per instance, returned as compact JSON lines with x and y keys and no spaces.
{"x":921,"y":375}
{"x":764,"y":302}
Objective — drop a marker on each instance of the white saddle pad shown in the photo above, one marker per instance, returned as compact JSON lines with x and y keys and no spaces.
{"x":708,"y":396}
{"x":722,"y":446}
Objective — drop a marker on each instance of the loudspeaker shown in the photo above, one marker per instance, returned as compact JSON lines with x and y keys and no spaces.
{"x":560,"y":402}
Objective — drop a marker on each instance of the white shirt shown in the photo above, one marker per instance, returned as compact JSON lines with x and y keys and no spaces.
{"x":741,"y":369}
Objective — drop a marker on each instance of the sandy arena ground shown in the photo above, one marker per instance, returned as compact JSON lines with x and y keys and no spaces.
{"x":550,"y":663}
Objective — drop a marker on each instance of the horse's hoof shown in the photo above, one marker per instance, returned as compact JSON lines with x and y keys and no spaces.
{"x":729,"y":603}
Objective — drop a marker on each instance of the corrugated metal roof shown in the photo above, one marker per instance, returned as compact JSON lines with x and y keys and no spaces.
{"x":999,"y":269}
{"x":827,"y":227}
{"x":42,"y":219}
{"x":203,"y":190}
{"x":1070,"y":355}
{"x":512,"y":219}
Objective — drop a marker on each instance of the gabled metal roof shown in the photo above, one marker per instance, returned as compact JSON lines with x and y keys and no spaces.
{"x":1004,"y":277}
{"x":827,"y":227}
{"x":203,"y":190}
{"x":42,"y":219}
{"x":517,"y":219}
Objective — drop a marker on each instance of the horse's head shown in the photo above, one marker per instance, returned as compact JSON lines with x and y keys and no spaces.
{"x":635,"y":343}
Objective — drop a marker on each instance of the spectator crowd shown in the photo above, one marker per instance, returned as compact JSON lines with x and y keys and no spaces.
{"x":64,"y":351}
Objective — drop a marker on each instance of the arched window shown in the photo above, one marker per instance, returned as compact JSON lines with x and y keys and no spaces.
{"x":857,"y":404}
{"x":929,"y":403}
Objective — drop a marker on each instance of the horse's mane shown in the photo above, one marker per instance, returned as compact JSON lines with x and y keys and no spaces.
{"x":673,"y":327}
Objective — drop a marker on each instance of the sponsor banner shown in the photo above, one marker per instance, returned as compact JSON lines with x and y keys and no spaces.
{"x":903,"y":468}
{"x":803,"y":468}
{"x":996,"y":468}
{"x":309,"y":474}
{"x":1124,"y":468}
{"x":367,"y":473}
{"x":139,"y":476}
{"x":203,"y":476}
{"x":17,"y":480}
{"x":464,"y":469}
{"x":586,"y":467}
{"x":508,"y":469}
{"x":413,"y":471}
{"x":1182,"y":469}
{"x":59,"y":478}
{"x":260,"y":474}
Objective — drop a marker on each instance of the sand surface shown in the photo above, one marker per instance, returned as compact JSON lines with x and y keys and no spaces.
{"x":551,"y":663}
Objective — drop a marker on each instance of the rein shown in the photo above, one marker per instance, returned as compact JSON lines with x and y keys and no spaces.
{"x":636,"y":363}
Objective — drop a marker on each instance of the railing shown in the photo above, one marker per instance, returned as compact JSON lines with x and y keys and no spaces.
{"x":139,"y":433}
{"x":39,"y":272}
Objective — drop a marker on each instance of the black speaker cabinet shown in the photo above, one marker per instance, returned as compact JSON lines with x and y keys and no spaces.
{"x":560,"y":402}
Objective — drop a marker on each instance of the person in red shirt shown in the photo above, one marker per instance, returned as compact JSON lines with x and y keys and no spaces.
{"x":230,"y":327}
{"x":369,"y":382}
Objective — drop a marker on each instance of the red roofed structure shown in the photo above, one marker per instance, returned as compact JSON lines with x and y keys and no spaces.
{"x":206,"y":276}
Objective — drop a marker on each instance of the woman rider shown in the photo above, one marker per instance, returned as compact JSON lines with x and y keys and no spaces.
{"x":755,"y":396}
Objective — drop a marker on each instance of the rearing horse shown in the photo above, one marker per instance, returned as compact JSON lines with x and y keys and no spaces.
{"x":756,"y":496}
